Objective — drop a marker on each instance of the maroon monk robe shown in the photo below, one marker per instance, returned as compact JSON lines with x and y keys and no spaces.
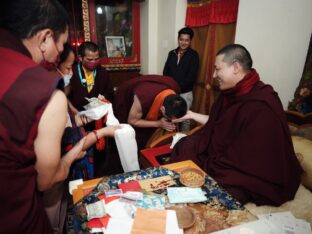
{"x":79,"y":91}
{"x":246,"y":145}
{"x":77,"y":97}
{"x":25,"y":90}
{"x":146,"y":88}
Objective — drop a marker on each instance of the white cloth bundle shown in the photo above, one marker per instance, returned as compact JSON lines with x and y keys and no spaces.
{"x":176,"y":138}
{"x":96,"y":109}
{"x":124,"y":137}
{"x":127,"y":148}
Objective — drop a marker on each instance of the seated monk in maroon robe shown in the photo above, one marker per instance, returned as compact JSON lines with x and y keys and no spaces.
{"x":149,"y":102}
{"x":245,"y":144}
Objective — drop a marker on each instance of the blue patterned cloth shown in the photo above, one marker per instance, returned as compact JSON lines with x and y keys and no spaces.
{"x":215,"y":194}
{"x":82,"y":168}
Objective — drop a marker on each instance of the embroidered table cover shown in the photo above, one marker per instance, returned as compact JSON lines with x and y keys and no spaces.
{"x":220,"y":211}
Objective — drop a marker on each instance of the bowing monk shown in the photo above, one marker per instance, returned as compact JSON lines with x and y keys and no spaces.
{"x":245,"y":144}
{"x":149,"y":102}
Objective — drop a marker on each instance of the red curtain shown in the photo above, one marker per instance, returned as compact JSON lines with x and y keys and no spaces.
{"x":204,"y":12}
{"x":214,"y":23}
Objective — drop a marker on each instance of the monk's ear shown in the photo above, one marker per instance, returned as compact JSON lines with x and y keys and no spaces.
{"x":163,"y":110}
{"x":236,"y":67}
{"x":42,"y":37}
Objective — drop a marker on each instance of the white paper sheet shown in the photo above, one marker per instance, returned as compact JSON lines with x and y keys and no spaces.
{"x":117,"y":209}
{"x":74,"y":185}
{"x":172,"y":226}
{"x":176,"y":138}
{"x":119,"y":226}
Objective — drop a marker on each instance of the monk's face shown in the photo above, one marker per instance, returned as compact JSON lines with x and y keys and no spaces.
{"x":50,"y":48}
{"x":224,"y":74}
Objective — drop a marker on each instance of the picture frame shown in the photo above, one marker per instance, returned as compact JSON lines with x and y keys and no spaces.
{"x":110,"y":18}
{"x":115,"y":46}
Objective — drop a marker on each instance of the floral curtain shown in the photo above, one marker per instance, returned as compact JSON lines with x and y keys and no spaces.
{"x":303,"y":96}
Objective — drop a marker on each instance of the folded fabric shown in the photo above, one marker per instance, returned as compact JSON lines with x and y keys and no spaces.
{"x":151,"y":202}
{"x":185,"y":195}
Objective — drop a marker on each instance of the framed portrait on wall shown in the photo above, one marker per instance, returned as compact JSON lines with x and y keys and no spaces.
{"x":115,"y":46}
{"x":115,"y":27}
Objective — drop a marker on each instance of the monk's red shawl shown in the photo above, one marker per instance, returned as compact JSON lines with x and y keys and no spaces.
{"x":25,"y":90}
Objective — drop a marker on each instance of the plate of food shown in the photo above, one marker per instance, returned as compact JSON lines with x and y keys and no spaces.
{"x":192,"y":177}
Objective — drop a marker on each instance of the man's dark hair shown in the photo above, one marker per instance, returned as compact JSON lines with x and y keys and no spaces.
{"x":26,"y":18}
{"x":67,"y":49}
{"x":187,"y":31}
{"x":236,"y":53}
{"x":175,"y":106}
{"x":87,"y":45}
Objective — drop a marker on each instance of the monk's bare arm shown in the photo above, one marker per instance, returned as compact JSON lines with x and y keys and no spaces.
{"x":91,"y":138}
{"x":135,"y":118}
{"x":49,"y":165}
{"x":190,"y":115}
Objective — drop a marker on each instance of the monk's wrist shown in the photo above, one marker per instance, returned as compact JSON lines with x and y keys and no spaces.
{"x":159,"y":124}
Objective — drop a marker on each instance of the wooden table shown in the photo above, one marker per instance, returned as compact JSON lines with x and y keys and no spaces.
{"x":88,"y":185}
{"x":219,"y":212}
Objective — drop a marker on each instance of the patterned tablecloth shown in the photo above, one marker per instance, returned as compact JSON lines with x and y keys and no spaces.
{"x":219,"y":212}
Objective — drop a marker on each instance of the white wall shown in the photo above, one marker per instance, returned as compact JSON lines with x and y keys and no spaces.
{"x":160,"y":22}
{"x":144,"y":36}
{"x":277,"y":34}
{"x":148,"y":36}
{"x":166,"y":29}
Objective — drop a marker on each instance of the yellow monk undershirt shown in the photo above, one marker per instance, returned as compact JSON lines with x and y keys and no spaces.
{"x":89,"y":79}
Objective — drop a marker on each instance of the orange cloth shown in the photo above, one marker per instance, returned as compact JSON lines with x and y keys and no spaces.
{"x":101,"y":143}
{"x":153,"y":112}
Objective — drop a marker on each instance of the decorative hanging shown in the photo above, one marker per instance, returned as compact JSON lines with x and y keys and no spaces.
{"x":204,"y":12}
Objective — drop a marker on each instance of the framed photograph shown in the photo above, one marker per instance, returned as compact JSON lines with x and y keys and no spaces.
{"x":115,"y":46}
{"x":110,"y":24}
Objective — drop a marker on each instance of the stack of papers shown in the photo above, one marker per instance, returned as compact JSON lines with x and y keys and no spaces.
{"x":185,"y":195}
{"x":274,"y":223}
{"x":124,"y":217}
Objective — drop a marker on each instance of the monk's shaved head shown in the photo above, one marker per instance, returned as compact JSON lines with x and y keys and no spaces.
{"x":236,"y":53}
